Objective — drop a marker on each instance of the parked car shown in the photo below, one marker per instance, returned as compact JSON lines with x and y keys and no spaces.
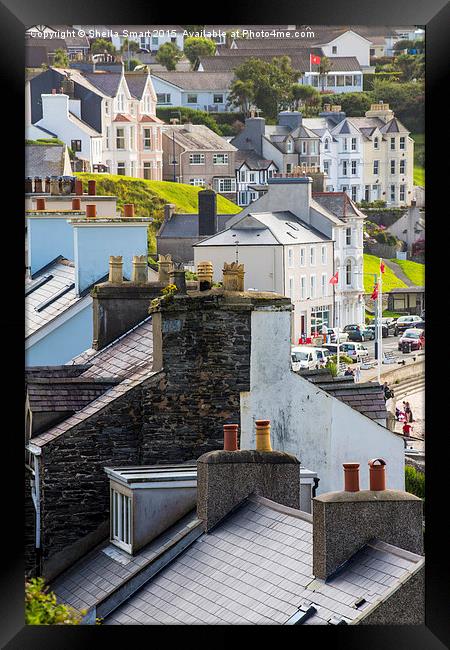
{"x":305,"y":357}
{"x":390,"y":324}
{"x":354,"y":350}
{"x":368,"y":333}
{"x":333,"y":332}
{"x":356,"y":333}
{"x":384,"y":330}
{"x":406,"y":322}
{"x":413,"y":338}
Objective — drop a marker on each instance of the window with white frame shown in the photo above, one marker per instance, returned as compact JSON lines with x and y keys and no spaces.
{"x":392,"y":193}
{"x":220,"y":159}
{"x":304,"y":147}
{"x":196,"y":158}
{"x":291,"y":288}
{"x":131,"y":137}
{"x":251,"y":177}
{"x":402,"y":166}
{"x":147,"y":103}
{"x":147,"y":170}
{"x":323,"y":254}
{"x":302,"y":256}
{"x":354,"y":192}
{"x":326,"y":166}
{"x":354,"y":170}
{"x":314,"y":147}
{"x":376,"y":143}
{"x":242,"y":176}
{"x":345,"y":144}
{"x":198,"y":182}
{"x":120,"y":103}
{"x":392,"y":166}
{"x":120,"y":138}
{"x":334,"y":49}
{"x":147,"y":138}
{"x":121,"y":519}
{"x":312,"y":256}
{"x":402,"y":193}
{"x":348,"y":236}
{"x":107,"y":138}
{"x":225,"y":184}
{"x":344,"y":167}
{"x":376,"y":167}
{"x":303,"y":287}
{"x":324,"y":285}
{"x":192,"y":98}
{"x":392,"y":144}
{"x":402,"y":143}
{"x":353,"y":144}
{"x":290,"y":257}
{"x":163,"y":98}
{"x":106,"y":107}
{"x":312,"y":286}
{"x":289,"y":146}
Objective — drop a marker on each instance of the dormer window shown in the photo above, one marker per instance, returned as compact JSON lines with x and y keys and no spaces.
{"x":121,"y":519}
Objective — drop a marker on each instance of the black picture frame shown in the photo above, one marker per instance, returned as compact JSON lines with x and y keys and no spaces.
{"x":15,"y":17}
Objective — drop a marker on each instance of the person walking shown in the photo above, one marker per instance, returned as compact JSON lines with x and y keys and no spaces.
{"x":407,"y":428}
{"x":408,"y":412}
{"x":388,"y":394}
{"x":357,"y":374}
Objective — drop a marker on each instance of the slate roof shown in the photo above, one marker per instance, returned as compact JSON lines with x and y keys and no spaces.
{"x":186,"y":225}
{"x":62,"y":394}
{"x":83,"y":125}
{"x":323,"y":34}
{"x":300,"y":62}
{"x":44,"y":160}
{"x":258,"y":228}
{"x":367,"y":398}
{"x":254,"y":567}
{"x":61,"y":276}
{"x":252,"y":159}
{"x":198,"y":138}
{"x":106,"y":82}
{"x":136,"y":83}
{"x":197,"y":80}
{"x":338,"y":203}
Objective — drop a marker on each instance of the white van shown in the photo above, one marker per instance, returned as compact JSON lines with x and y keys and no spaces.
{"x":305,"y":357}
{"x":355,"y":350}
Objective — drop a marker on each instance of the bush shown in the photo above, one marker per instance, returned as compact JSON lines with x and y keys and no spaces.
{"x":415,"y":482}
{"x":41,"y":607}
{"x":187,"y":114}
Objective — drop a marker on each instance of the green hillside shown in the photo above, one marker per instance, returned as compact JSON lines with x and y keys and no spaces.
{"x":419,"y":158}
{"x":149,"y":197}
{"x":372,"y":265}
{"x":413,"y":271}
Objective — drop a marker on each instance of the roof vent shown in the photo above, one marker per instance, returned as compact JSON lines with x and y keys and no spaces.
{"x":337,"y":620}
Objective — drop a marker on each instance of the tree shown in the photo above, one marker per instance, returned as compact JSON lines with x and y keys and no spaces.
{"x":195,"y":47}
{"x":102,"y":46}
{"x":132,"y":63}
{"x":407,"y":100}
{"x":242,"y":95}
{"x":353,"y":104}
{"x":412,"y":66}
{"x":60,"y":60}
{"x":271,"y":83}
{"x":168,"y":55}
{"x":324,"y":68}
{"x":42,"y":608}
{"x":403,"y":45}
{"x":128,"y":46}
{"x":305,"y":98}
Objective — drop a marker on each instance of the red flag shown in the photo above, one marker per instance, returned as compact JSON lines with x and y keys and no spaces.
{"x":314,"y":59}
{"x":335,"y":278}
{"x":382,"y":267}
{"x":374,"y":295}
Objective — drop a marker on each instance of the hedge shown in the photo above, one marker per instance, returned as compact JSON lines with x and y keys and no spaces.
{"x":414,"y":482}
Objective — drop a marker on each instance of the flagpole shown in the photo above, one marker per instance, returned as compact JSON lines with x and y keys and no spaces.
{"x":338,"y":324}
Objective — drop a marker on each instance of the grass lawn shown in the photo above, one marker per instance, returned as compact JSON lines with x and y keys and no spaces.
{"x":419,"y":147}
{"x":386,"y":314}
{"x":372,"y":265}
{"x":413,"y":271}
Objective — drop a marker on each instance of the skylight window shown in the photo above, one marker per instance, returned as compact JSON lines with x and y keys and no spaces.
{"x":291,"y":225}
{"x":291,"y":235}
{"x":39,"y":283}
{"x":55,"y":297}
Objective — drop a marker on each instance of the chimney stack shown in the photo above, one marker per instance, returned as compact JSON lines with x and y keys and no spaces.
{"x":207,"y":213}
{"x":164,"y":266}
{"x":139,"y":272}
{"x":37,"y":184}
{"x":92,"y":188}
{"x":54,"y":186}
{"x":343,"y":522}
{"x":226,"y":478}
{"x":169,"y":210}
{"x":230,"y":437}
{"x":28,"y":185}
{"x":91,"y":211}
{"x":205,"y":275}
{"x":128,"y":210}
{"x":177,"y":276}
{"x":115,"y":269}
{"x":233,"y":276}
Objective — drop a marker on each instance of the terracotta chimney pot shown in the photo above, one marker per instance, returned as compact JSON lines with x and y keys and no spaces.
{"x":230,"y":433}
{"x":76,"y":204}
{"x":78,"y":187}
{"x":91,"y":211}
{"x":377,"y":474}
{"x":351,"y":477}
{"x":128,"y":210}
{"x":40,"y":204}
{"x":92,"y":188}
{"x":263,"y":435}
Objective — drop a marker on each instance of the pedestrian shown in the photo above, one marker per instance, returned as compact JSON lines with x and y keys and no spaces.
{"x":407,"y":428}
{"x":357,"y":374}
{"x":348,"y":372}
{"x":408,"y":412}
{"x":387,"y":392}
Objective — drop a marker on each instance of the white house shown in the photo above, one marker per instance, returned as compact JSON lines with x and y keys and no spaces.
{"x":252,"y":174}
{"x":148,"y":37}
{"x":206,"y":91}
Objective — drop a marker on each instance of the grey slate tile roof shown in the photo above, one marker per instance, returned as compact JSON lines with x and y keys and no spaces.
{"x":44,"y":160}
{"x":197,"y":80}
{"x":50,"y":394}
{"x":198,"y":138}
{"x":136,"y":83}
{"x":338,"y":203}
{"x":299,"y":61}
{"x":252,"y":159}
{"x":255,"y":567}
{"x":186,"y":225}
{"x":106,"y":82}
{"x":63,"y":273}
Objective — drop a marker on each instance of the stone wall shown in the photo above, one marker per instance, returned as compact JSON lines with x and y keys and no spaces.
{"x":202,"y":346}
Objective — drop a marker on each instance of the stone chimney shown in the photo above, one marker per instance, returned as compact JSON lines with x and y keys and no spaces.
{"x":343,"y":522}
{"x":381,"y":110}
{"x":165,"y":265}
{"x":233,"y":276}
{"x":177,"y":276}
{"x":226,"y":478}
{"x":139,"y":269}
{"x":115,"y":269}
{"x":207,"y":213}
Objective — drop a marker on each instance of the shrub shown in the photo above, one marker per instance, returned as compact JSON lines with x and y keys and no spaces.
{"x":41,"y":607}
{"x":415,"y":482}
